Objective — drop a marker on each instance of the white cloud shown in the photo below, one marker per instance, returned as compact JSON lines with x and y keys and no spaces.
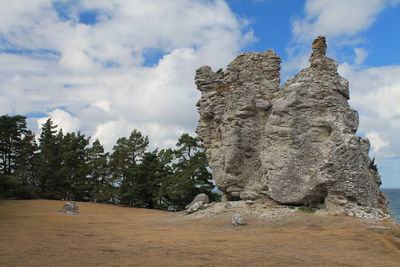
{"x":377,"y":143}
{"x":375,"y":94}
{"x":337,"y":18}
{"x":361,"y":55}
{"x":375,"y":90}
{"x":62,"y":119}
{"x":96,"y":72}
{"x":341,"y":21}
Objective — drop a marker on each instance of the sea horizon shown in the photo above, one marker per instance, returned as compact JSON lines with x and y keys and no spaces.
{"x":393,"y":194}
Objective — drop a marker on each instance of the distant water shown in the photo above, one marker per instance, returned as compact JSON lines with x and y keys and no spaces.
{"x":394,"y":201}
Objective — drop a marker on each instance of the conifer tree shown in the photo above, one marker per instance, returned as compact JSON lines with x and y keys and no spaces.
{"x":124,"y":159}
{"x":17,"y":150}
{"x":73,"y":170}
{"x":26,"y":166}
{"x":48,"y":162}
{"x":12,"y":131}
{"x":190,"y":174}
{"x":99,"y":176}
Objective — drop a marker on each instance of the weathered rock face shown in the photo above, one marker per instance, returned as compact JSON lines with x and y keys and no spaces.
{"x":200,"y":197}
{"x":199,"y":202}
{"x":294,"y":143}
{"x":69,"y":207}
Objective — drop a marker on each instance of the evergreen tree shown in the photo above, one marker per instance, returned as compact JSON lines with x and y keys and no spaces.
{"x":73,"y":169}
{"x":190,"y":174}
{"x":62,"y":166}
{"x":48,"y":162}
{"x":26,"y":166}
{"x":12,"y":131}
{"x":126,"y":154}
{"x":103,"y":189}
{"x":149,"y":177}
{"x":17,"y":150}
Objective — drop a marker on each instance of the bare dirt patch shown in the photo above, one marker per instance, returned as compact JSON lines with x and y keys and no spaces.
{"x":32,"y":233}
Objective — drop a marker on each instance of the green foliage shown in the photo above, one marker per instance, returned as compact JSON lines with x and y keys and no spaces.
{"x":16,"y":143}
{"x":17,"y":149}
{"x":189,"y":175}
{"x":8,"y":185}
{"x":99,"y":175}
{"x":373,"y":166}
{"x":148,"y":179}
{"x":12,"y":186}
{"x":73,"y":169}
{"x":65,"y":166}
{"x":48,"y":162}
{"x":124,"y":164}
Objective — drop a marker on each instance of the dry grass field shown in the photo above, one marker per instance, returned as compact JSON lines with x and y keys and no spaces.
{"x":32,"y":233}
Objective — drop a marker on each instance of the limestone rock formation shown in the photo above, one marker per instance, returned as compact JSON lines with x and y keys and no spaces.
{"x":197,"y":203}
{"x":294,"y":143}
{"x":69,"y":207}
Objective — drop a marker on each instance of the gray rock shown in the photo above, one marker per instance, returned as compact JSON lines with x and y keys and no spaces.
{"x":200,"y":197}
{"x":294,"y":143}
{"x":249,"y":202}
{"x":69,"y":207}
{"x":238,"y":219}
{"x":230,"y":205}
{"x":195,"y":207}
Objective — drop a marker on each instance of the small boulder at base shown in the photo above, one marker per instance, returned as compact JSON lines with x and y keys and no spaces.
{"x":195,"y":207}
{"x":69,"y":207}
{"x":238,"y":219}
{"x":203,"y":198}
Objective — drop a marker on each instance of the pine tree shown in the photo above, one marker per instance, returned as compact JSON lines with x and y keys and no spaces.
{"x":17,"y":150}
{"x":73,"y":169}
{"x":12,"y":131}
{"x":26,"y":166}
{"x":48,"y":162}
{"x":99,"y":175}
{"x":124,"y":159}
{"x":149,"y":177}
{"x":190,"y":174}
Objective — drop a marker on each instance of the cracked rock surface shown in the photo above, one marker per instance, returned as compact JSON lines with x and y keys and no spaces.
{"x":294,"y":143}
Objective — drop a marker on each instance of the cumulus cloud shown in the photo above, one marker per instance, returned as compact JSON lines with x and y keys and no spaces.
{"x":377,"y":143}
{"x":375,"y":93}
{"x":337,"y":18}
{"x":343,"y":22}
{"x":130,"y":65}
{"x":64,"y":120}
{"x":361,"y":54}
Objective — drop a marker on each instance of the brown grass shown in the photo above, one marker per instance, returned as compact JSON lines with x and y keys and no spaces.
{"x":32,"y":233}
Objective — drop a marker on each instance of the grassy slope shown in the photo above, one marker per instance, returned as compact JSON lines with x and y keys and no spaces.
{"x":33,"y":234}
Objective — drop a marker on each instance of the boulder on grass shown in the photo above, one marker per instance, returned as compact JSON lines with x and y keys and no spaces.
{"x":238,"y":219}
{"x":198,"y":202}
{"x":69,"y":207}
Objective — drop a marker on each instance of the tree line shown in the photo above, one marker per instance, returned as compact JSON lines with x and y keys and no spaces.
{"x":67,"y":166}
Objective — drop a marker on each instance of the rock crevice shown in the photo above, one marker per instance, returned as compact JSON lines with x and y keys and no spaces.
{"x":294,"y":143}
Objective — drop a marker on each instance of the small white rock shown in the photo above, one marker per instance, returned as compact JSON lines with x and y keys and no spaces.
{"x":238,"y":219}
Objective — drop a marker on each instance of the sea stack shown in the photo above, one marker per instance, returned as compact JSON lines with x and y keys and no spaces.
{"x":295,"y":143}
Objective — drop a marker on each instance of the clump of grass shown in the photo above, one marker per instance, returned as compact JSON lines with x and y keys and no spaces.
{"x":308,"y":209}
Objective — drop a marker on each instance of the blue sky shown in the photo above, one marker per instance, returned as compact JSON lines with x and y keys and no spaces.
{"x":108,"y":67}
